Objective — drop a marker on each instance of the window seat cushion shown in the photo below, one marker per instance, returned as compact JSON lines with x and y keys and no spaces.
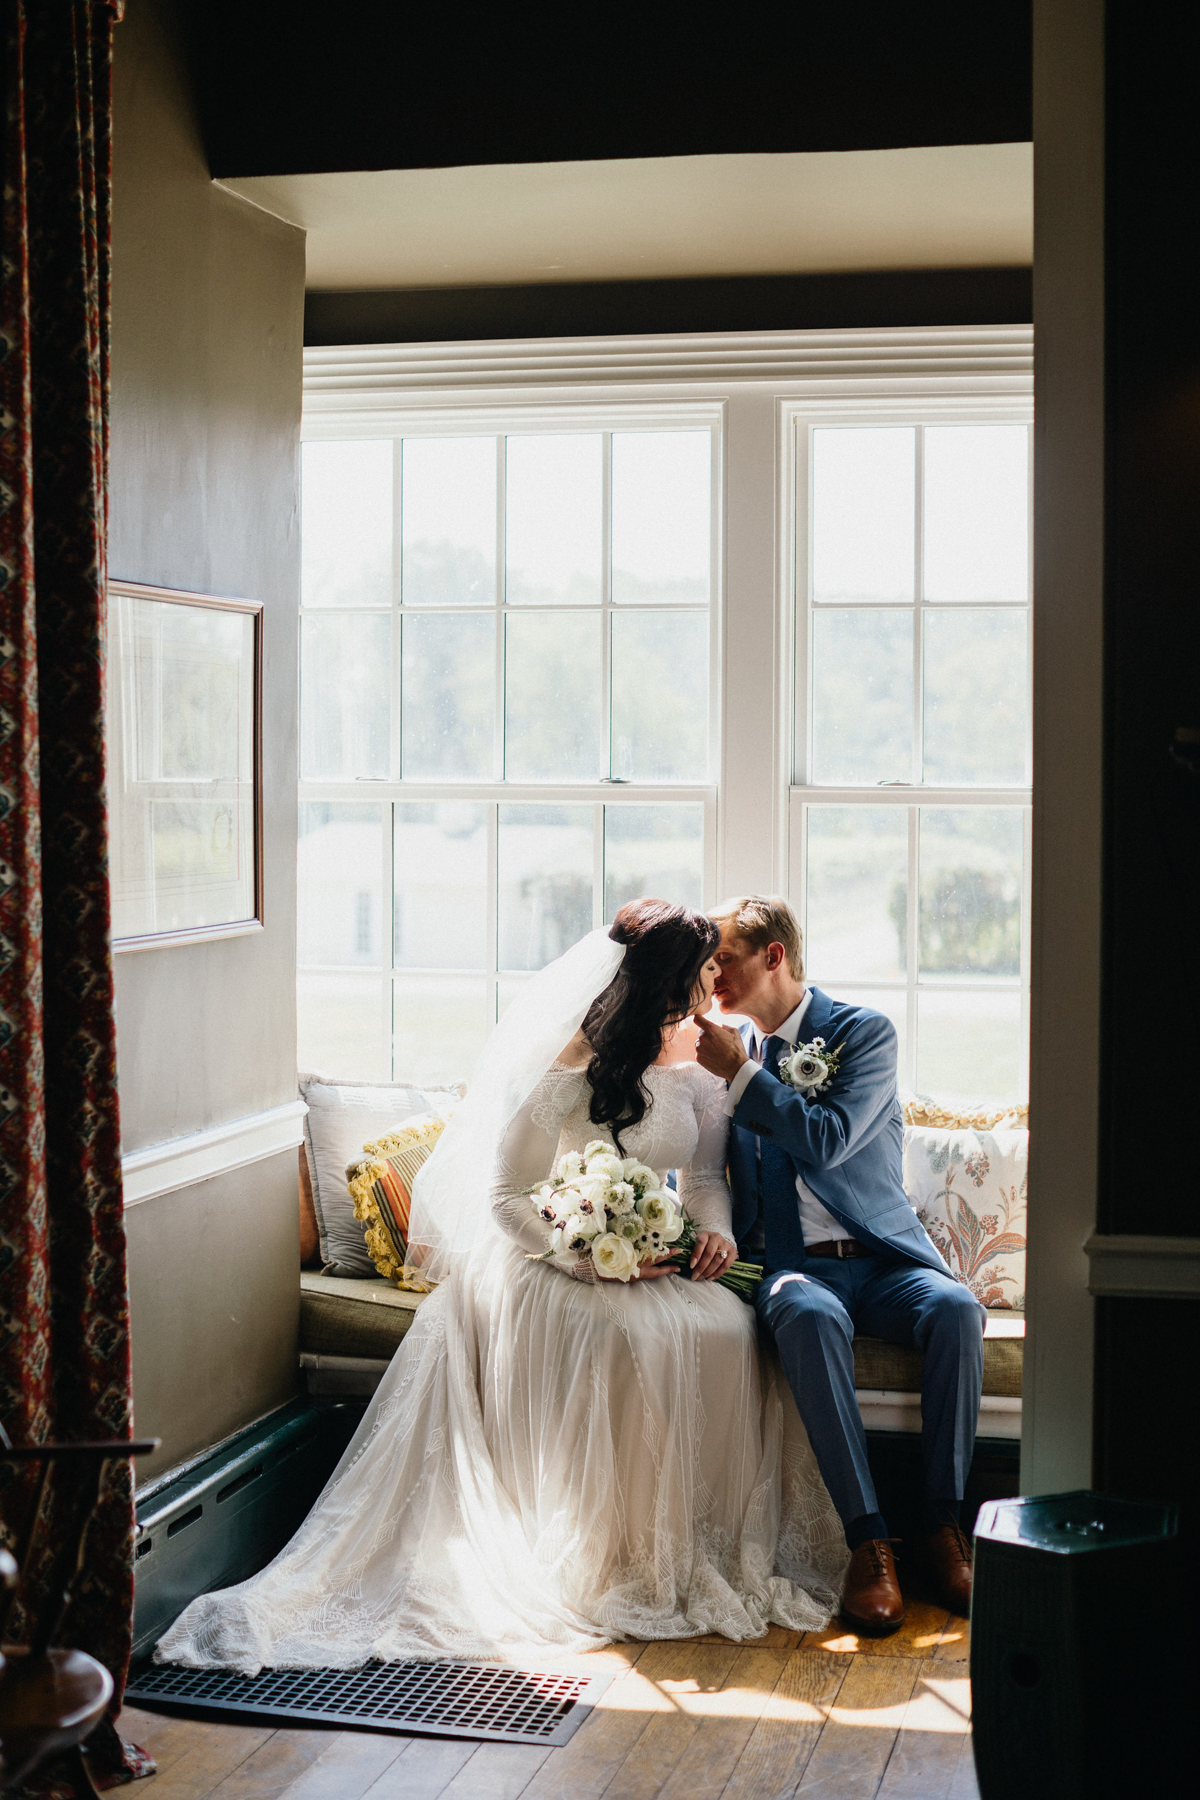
{"x":878,"y":1365}
{"x":369,"y":1319}
{"x":351,"y":1317}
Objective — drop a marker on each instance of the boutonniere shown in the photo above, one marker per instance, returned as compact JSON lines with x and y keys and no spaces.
{"x":810,"y":1067}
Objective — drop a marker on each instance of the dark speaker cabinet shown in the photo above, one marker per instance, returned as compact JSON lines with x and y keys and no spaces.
{"x":1070,"y":1628}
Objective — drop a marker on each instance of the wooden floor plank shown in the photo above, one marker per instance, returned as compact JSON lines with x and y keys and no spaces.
{"x":727,"y":1721}
{"x":964,"y":1786}
{"x":582,"y":1769}
{"x":166,"y":1736}
{"x":212,"y":1754}
{"x":423,"y":1770}
{"x":853,"y":1750}
{"x":270,"y":1771}
{"x":776,"y":1637}
{"x":954,"y":1644}
{"x":778,"y":1749}
{"x":937,"y":1720}
{"x":922,"y":1631}
{"x":682,"y":1674}
{"x":497,"y":1772}
{"x":348,"y":1767}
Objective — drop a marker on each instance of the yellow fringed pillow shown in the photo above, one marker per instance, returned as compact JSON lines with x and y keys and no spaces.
{"x":381,"y":1187}
{"x":923,"y":1111}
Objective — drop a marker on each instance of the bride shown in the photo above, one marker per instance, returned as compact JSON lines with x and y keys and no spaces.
{"x":552,"y":1460}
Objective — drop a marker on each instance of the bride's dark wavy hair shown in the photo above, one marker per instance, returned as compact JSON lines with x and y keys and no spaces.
{"x":666,"y":948}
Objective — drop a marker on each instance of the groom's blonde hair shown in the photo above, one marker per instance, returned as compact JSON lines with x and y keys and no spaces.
{"x":763,"y":919}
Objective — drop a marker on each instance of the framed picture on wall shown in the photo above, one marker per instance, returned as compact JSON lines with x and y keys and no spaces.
{"x":184,"y":733}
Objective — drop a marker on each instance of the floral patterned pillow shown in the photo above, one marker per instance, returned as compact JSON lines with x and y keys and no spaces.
{"x":969,"y":1189}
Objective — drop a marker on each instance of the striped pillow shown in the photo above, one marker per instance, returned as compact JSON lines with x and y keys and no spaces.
{"x":381,"y":1187}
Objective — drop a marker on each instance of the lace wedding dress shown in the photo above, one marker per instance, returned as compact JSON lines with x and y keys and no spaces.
{"x":554,"y":1461}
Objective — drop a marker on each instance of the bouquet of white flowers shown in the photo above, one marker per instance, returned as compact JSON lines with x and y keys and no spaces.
{"x":613,"y":1209}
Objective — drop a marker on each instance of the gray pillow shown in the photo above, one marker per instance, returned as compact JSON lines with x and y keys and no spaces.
{"x":342,"y":1117}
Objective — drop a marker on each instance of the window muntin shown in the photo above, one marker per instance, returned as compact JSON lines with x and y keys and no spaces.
{"x":541,"y":645}
{"x":910,"y":808}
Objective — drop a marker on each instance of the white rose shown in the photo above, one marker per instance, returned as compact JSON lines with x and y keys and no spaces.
{"x":611,"y":1167}
{"x":570,"y":1164}
{"x":655,"y":1208}
{"x":673,"y":1228}
{"x":639,"y":1175}
{"x":614,"y":1257}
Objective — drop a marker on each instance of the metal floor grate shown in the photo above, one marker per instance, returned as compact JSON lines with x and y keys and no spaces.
{"x":446,"y":1699}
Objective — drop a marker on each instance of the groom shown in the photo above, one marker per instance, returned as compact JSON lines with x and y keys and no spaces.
{"x":817,"y":1198}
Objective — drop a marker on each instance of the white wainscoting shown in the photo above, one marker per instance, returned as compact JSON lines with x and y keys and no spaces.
{"x":180,"y":1162}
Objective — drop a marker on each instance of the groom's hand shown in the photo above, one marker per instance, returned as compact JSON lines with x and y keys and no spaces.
{"x":719,"y":1048}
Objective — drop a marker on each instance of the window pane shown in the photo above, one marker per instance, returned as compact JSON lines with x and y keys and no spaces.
{"x":545,"y":887}
{"x":439,"y":1025}
{"x":508,"y":989}
{"x":552,"y":697}
{"x":441,"y":867}
{"x":448,"y":511}
{"x":863,"y":513}
{"x":339,"y":1026}
{"x":346,"y":536}
{"x":891,"y":1002}
{"x":655,"y":851}
{"x":969,"y":1046}
{"x":552,"y":508}
{"x":976,"y":512}
{"x":661,"y":492}
{"x":660,"y":696}
{"x":857,"y":892}
{"x":339,"y":897}
{"x":862,"y":696}
{"x":345,"y":696}
{"x":976,"y":706}
{"x":449,"y":696}
{"x":971,"y":860}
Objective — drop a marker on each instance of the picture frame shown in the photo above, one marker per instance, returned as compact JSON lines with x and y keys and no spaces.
{"x":184,"y":743}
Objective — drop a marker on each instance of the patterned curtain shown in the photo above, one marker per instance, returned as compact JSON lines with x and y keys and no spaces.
{"x":64,"y":1325}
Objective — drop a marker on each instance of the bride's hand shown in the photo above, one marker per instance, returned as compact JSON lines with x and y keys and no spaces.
{"x":711,"y":1256}
{"x":649,"y":1271}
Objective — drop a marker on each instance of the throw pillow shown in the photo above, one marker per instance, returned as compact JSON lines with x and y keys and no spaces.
{"x":342,"y":1117}
{"x":919,"y":1109}
{"x":969,"y":1190}
{"x":381,"y":1186}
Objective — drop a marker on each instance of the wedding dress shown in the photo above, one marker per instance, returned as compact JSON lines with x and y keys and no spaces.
{"x":552,"y":1462}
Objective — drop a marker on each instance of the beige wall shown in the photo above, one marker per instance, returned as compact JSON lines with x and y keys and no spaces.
{"x":207,"y":333}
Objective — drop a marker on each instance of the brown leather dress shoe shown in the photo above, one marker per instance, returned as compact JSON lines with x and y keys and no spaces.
{"x":946,"y":1554}
{"x":872,"y":1601}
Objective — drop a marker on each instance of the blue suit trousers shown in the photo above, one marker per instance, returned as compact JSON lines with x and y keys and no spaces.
{"x":812,"y":1313}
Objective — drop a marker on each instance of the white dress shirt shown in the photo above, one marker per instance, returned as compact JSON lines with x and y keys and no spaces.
{"x":817,"y":1224}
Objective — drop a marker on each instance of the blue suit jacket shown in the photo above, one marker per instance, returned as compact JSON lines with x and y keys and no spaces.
{"x":847,"y":1142}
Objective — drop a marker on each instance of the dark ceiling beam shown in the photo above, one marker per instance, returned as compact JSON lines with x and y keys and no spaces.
{"x":867,"y":299}
{"x":306,"y":86}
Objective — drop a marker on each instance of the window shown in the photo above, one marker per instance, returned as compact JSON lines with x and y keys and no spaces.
{"x":182,"y":725}
{"x":688,"y":616}
{"x":506,"y":715}
{"x":910,"y":811}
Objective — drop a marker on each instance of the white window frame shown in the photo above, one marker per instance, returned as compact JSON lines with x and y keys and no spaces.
{"x":798,"y":422}
{"x":750,"y":388}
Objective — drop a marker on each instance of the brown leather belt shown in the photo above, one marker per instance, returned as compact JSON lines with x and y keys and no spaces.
{"x":839,"y":1247}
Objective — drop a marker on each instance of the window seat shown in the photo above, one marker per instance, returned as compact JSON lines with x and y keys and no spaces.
{"x":350,"y":1330}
